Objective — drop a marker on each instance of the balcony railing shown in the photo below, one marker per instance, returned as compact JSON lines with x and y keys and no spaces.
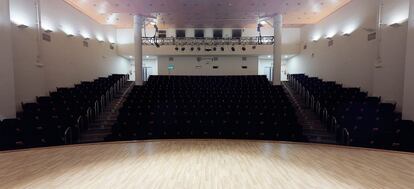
{"x":190,"y":41}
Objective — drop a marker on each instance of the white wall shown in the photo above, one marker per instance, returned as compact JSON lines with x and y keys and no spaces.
{"x":353,"y":60}
{"x":64,"y":61}
{"x":228,"y":65}
{"x":7,"y":96}
{"x":408,"y":108}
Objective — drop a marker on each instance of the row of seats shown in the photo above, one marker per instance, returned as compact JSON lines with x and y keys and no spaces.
{"x":245,"y":107}
{"x":60,"y":117}
{"x":356,"y":118}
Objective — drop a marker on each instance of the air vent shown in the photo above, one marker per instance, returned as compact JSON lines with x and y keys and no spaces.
{"x":171,"y":59}
{"x":372,"y":36}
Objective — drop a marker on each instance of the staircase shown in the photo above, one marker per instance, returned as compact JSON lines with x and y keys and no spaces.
{"x":102,"y":125}
{"x":313,"y":128}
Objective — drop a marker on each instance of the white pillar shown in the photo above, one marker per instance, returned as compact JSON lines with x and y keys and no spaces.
{"x":408,"y":103}
{"x":138,"y":23}
{"x":277,"y":48}
{"x":7,"y":89}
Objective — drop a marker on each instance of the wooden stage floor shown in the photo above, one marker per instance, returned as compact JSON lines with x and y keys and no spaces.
{"x":206,"y":164}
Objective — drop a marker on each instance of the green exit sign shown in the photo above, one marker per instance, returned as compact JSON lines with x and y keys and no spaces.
{"x":170,"y":67}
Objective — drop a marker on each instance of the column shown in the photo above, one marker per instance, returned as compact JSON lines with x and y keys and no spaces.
{"x":408,"y":101}
{"x":138,"y":23}
{"x":7,"y":88}
{"x":277,"y":49}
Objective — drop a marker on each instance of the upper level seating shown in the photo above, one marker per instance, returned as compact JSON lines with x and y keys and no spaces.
{"x":58,"y":118}
{"x":358,"y":119}
{"x":207,"y":107}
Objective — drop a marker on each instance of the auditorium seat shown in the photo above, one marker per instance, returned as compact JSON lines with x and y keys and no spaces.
{"x":245,"y":107}
{"x":59,"y":118}
{"x":356,"y":118}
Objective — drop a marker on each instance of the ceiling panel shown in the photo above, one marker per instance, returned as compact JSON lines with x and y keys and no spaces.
{"x":207,"y":13}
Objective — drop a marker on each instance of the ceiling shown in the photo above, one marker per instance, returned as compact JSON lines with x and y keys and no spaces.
{"x":207,"y":13}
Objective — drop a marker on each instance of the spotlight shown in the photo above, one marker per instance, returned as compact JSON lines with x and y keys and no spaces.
{"x":222,"y":48}
{"x":244,"y":48}
{"x":176,"y":48}
{"x":233,"y":49}
{"x":198,"y":49}
{"x":182,"y":48}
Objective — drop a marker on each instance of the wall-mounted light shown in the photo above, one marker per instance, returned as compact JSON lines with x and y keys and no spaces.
{"x":22,"y":26}
{"x":395,"y":25}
